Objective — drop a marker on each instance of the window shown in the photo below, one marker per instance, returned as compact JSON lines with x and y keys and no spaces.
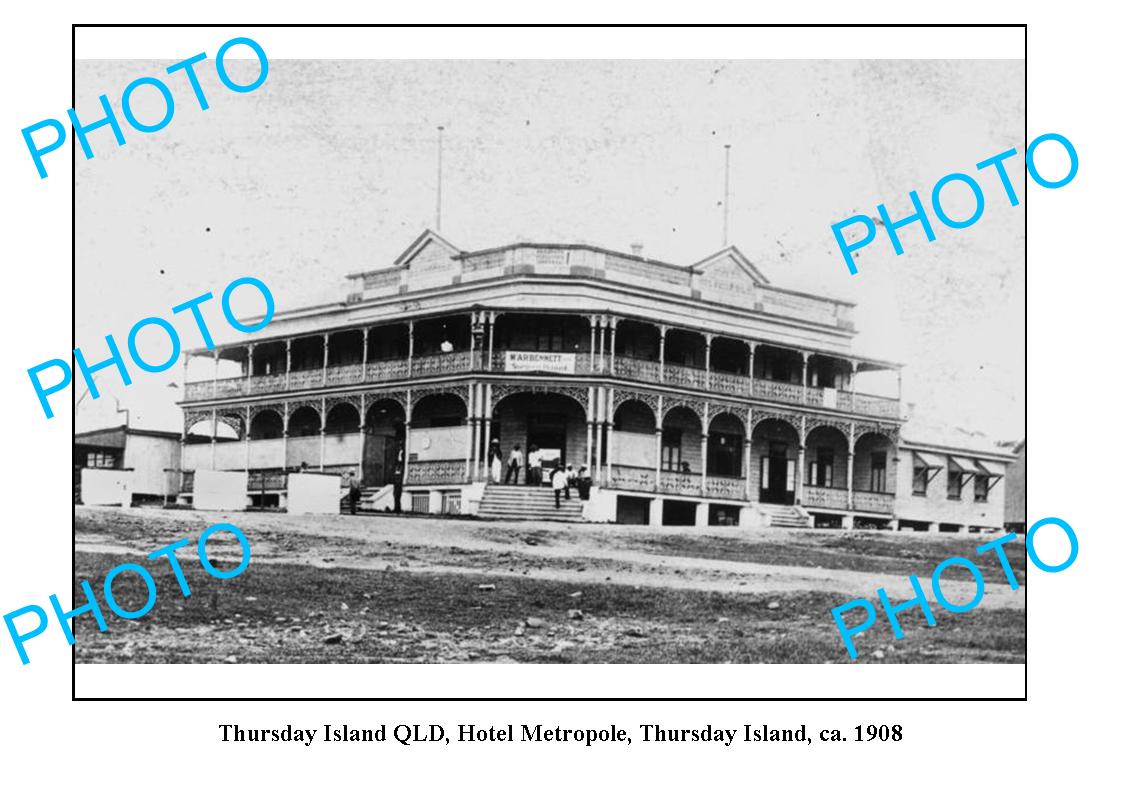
{"x":877,"y":471}
{"x":920,"y":480}
{"x":822,"y":469}
{"x":672,"y":449}
{"x":955,"y":484}
{"x":982,"y":489}
{"x":101,"y":459}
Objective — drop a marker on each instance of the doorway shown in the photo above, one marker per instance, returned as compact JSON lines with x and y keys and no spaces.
{"x":777,"y":475}
{"x":548,"y":432}
{"x":383,"y":444}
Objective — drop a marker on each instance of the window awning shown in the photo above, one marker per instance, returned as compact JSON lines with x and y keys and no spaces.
{"x":927,"y":462}
{"x":966,"y":465}
{"x":987,"y":471}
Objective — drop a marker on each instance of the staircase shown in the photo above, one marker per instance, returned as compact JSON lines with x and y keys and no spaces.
{"x":501,"y":502}
{"x":784,"y":516}
{"x":369,"y":501}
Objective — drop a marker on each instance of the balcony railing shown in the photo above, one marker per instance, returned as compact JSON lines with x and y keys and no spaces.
{"x":642,"y":479}
{"x":436,"y":472}
{"x":824,"y":497}
{"x":562,"y":363}
{"x":879,"y":502}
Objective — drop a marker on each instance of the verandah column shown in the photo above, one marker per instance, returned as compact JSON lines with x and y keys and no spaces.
{"x":285,"y":437}
{"x":803,"y":374}
{"x":752,"y":351}
{"x":658,"y":443}
{"x":214,"y":434}
{"x":662,"y":353}
{"x":249,"y":371}
{"x":746,"y":464}
{"x":408,"y":424}
{"x":366,"y":337}
{"x":709,"y":341}
{"x":288,"y":361}
{"x":850,"y":469}
{"x":597,"y":414}
{"x":468,"y":437}
{"x":323,"y":423}
{"x":486,"y":387}
{"x":799,"y":473}
{"x":324,"y":373}
{"x":610,"y":422}
{"x":409,"y":354}
{"x":705,"y":439}
{"x":362,"y":433}
{"x":246,"y":437}
{"x":589,"y":423}
{"x":491,"y":316}
{"x":612,"y":341}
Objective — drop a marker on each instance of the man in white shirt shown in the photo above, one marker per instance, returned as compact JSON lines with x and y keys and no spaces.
{"x":514,"y":464}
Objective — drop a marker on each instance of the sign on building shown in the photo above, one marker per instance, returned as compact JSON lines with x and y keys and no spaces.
{"x":540,"y":362}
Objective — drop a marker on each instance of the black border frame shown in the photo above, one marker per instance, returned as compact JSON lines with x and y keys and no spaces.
{"x":74,"y":28}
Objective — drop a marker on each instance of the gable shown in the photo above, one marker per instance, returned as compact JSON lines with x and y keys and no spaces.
{"x":728,"y":279}
{"x":432,"y":256}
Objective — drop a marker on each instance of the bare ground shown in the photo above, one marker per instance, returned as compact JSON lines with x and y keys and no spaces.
{"x":399,"y":588}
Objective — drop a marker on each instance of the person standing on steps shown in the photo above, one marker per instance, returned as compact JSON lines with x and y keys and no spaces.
{"x":584,"y":483}
{"x":534,"y":466}
{"x":570,"y":479}
{"x":514,"y":464}
{"x":558,"y":482}
{"x":495,"y":462}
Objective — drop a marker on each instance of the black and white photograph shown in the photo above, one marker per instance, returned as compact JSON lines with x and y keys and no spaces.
{"x":565,"y":364}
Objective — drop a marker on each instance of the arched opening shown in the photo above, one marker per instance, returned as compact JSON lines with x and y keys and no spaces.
{"x":267,"y":424}
{"x":826,"y":458}
{"x":384,"y":443}
{"x":875,"y":468}
{"x":682,"y":441}
{"x":726,"y":446}
{"x":200,"y":431}
{"x":633,"y":435}
{"x":776,"y":451}
{"x":343,"y":418}
{"x":438,"y":438}
{"x":304,"y":422}
{"x":550,"y":428}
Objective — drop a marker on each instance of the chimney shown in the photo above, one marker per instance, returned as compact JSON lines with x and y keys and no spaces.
{"x":637,"y":249}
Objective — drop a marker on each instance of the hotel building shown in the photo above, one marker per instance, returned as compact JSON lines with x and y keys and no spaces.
{"x":695,"y":394}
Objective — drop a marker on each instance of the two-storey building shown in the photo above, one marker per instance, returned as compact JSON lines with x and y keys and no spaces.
{"x":694,"y":394}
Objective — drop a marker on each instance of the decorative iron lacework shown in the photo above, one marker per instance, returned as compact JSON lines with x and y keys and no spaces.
{"x":651,"y":400}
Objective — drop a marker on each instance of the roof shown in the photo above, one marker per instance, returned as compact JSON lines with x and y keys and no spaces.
{"x":952,"y":440}
{"x":115,"y":436}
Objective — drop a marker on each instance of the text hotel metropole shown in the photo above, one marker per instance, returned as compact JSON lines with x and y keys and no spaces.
{"x":694,"y":394}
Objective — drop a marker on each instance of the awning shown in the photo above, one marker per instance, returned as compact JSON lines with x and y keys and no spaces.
{"x":924,"y":461}
{"x":966,"y":465}
{"x":988,"y":472}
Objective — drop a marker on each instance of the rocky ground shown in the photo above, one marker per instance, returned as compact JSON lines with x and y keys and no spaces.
{"x":420,"y":589}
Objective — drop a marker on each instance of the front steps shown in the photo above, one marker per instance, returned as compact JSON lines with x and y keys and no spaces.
{"x":501,"y":502}
{"x":779,"y":516}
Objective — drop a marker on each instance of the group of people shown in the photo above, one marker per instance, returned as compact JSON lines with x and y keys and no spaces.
{"x":562,"y":478}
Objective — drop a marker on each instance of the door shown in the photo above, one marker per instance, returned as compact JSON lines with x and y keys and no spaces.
{"x":381,"y":450}
{"x":777,"y":476}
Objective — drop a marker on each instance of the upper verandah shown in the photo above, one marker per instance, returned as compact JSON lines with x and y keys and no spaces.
{"x":726,"y":278}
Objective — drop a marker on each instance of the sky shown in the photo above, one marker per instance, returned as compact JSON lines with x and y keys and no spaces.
{"x":330,"y":168}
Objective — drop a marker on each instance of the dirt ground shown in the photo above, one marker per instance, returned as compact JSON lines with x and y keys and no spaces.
{"x":423,"y":589}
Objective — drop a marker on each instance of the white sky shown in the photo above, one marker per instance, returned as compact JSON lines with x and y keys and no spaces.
{"x":329,"y":168}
